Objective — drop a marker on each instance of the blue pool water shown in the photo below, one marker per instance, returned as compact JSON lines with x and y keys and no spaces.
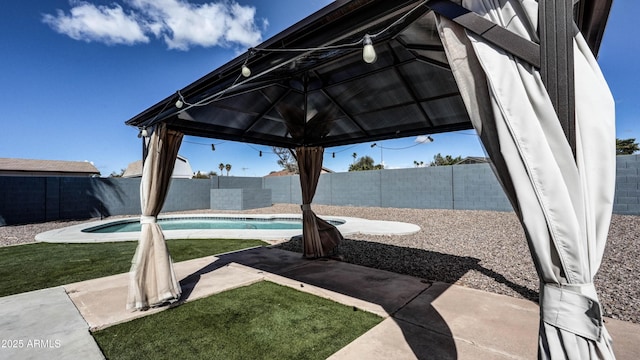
{"x":203,"y":223}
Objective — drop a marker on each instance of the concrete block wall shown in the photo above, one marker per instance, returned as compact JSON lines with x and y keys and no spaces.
{"x":22,"y":200}
{"x":118,"y":196}
{"x":256,"y":198}
{"x":417,"y":188}
{"x":225,"y":199}
{"x":323,"y":190}
{"x":80,"y":198}
{"x":463,"y":187}
{"x":37,"y":199}
{"x":627,"y":197}
{"x":52,"y":199}
{"x":187,"y":194}
{"x":475,"y":187}
{"x":359,"y":188}
{"x":239,"y":199}
{"x":280,"y":187}
{"x":237,"y":182}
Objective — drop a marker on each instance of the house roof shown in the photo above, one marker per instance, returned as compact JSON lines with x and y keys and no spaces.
{"x":285,"y":172}
{"x":473,"y":160}
{"x":47,"y":166}
{"x":182,"y":169}
{"x":332,"y":97}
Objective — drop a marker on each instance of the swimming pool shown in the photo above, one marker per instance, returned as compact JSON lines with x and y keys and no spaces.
{"x":86,"y":232}
{"x":203,"y":223}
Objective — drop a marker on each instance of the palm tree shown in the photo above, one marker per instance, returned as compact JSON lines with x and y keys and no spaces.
{"x":626,"y":146}
{"x":228,"y":168}
{"x":354,"y":155}
{"x":221,"y":167}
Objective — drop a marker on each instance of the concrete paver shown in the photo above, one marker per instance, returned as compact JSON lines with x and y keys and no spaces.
{"x":44,"y":324}
{"x":389,"y":290}
{"x":495,"y":322}
{"x":397,"y":339}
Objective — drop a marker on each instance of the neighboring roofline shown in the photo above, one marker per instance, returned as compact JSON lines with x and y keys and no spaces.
{"x":324,"y":170}
{"x":48,"y":173}
{"x":134,"y":169}
{"x":30,"y":166}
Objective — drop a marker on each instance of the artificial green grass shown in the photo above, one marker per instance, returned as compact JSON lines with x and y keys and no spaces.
{"x":260,"y":321}
{"x":42,"y":265}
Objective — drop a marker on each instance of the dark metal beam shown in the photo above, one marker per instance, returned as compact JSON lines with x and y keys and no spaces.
{"x":592,"y":16}
{"x":497,"y":35}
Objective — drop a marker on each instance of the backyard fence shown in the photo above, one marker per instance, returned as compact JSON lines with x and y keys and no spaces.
{"x":461,"y":187}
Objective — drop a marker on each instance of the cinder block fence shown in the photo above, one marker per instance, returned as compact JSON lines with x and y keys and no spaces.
{"x":464,"y":187}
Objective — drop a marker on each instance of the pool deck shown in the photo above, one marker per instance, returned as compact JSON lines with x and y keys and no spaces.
{"x":421,"y":320}
{"x":74,"y":234}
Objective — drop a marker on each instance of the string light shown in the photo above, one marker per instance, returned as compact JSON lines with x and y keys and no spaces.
{"x":369,"y":55}
{"x":429,"y":140}
{"x":204,"y":144}
{"x":246,"y":72}
{"x":368,"y":52}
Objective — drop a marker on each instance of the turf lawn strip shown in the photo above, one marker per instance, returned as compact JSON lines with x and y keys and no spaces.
{"x":42,"y":265}
{"x":260,"y":321}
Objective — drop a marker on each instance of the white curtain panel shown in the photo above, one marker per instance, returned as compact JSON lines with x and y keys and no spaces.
{"x":152,"y":278}
{"x":564,"y":203}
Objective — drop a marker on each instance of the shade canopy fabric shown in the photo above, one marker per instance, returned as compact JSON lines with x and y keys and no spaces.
{"x":564,"y":203}
{"x":152,"y":278}
{"x":319,"y":237}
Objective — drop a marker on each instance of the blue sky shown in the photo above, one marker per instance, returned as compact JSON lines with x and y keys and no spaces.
{"x":75,"y":71}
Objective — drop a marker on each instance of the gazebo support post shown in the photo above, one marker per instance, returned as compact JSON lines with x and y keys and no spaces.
{"x":556,"y":29}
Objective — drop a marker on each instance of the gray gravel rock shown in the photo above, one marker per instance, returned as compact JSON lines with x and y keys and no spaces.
{"x":484,"y":250}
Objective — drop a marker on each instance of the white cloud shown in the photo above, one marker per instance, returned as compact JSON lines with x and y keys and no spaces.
{"x":180,"y":24}
{"x":88,"y":22}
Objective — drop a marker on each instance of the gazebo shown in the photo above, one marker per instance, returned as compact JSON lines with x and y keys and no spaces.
{"x":523,"y":74}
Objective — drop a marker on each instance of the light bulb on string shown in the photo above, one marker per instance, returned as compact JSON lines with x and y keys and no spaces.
{"x":368,"y":52}
{"x":246,"y":72}
{"x":180,"y":102}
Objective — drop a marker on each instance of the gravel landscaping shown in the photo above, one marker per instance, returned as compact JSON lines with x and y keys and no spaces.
{"x":484,"y":250}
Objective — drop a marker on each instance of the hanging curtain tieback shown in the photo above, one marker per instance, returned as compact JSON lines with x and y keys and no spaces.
{"x":570,"y":308}
{"x":305,"y":207}
{"x":144,"y":219}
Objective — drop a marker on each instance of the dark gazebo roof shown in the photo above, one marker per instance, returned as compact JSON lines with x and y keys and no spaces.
{"x":324,"y":93}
